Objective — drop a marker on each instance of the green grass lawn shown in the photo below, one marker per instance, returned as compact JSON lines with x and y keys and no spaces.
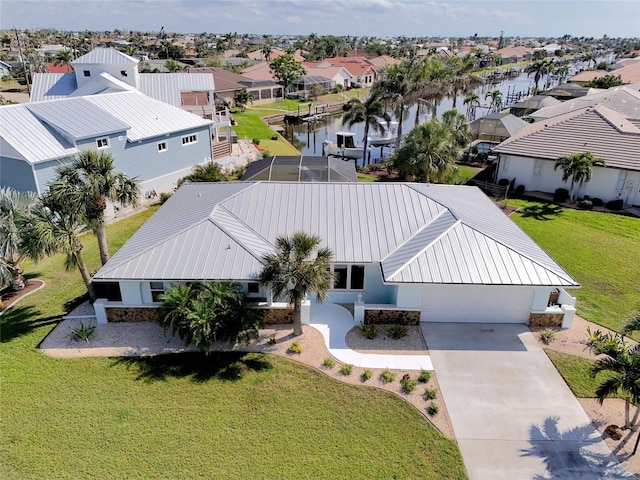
{"x":189,"y":416}
{"x":600,"y":250}
{"x":576,"y":371}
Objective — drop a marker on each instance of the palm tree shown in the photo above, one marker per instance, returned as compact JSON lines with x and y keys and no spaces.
{"x":589,"y":56}
{"x":86,"y":183}
{"x":578,"y":167}
{"x":496,"y":99}
{"x":458,"y":125}
{"x":243,"y":97}
{"x":429,"y":153}
{"x":53,"y":227}
{"x":370,"y":113}
{"x":472,"y":101}
{"x":172,"y":65}
{"x":202,"y":314}
{"x":14,"y":209}
{"x":208,"y":172}
{"x":460,"y":77}
{"x":292,"y":272}
{"x":539,"y":68}
{"x":64,"y":57}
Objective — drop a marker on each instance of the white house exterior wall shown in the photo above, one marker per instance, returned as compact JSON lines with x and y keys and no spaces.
{"x":375,"y":291}
{"x":113,"y":69}
{"x":131,"y":292}
{"x":476,"y":303}
{"x":603,"y":184}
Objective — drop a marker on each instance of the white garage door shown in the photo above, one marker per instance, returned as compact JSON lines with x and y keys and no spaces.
{"x":476,"y":303}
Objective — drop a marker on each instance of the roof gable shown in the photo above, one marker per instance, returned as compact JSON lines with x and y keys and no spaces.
{"x":104,"y":55}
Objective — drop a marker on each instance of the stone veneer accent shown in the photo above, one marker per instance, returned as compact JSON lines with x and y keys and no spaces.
{"x":276,"y":316}
{"x":130,"y":314}
{"x":401,"y":317}
{"x":545,"y":319}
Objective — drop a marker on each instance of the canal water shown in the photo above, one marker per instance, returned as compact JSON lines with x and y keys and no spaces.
{"x":308,"y":137}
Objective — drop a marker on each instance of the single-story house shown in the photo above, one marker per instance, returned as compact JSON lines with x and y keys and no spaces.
{"x":282,"y":168}
{"x":529,"y":156}
{"x":514,"y":54}
{"x":148,"y":139}
{"x":424,"y":252}
{"x":624,"y":100}
{"x":629,"y":72}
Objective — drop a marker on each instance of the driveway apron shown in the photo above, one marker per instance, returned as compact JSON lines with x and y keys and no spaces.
{"x":512,"y":413}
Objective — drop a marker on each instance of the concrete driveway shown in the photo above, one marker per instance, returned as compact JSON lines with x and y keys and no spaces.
{"x":512,"y":414}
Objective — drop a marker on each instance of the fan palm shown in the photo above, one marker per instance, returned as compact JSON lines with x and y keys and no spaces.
{"x":204,"y":313}
{"x":370,"y":113}
{"x":14,"y":210}
{"x":86,"y":183}
{"x":578,"y":167}
{"x":55,"y":227}
{"x":429,"y":153}
{"x":458,"y":125}
{"x":292,"y":271}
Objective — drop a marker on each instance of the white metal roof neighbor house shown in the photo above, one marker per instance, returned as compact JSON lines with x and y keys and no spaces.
{"x":529,"y":156}
{"x":146,"y":138}
{"x":445,"y":251}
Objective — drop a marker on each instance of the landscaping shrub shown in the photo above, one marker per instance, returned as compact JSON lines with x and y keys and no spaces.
{"x":366,"y":375}
{"x":272,"y":340}
{"x":295,"y":347}
{"x":329,"y":363}
{"x":547,"y":336}
{"x":83,"y":332}
{"x":519,"y":191}
{"x":346,"y":369}
{"x":274,"y":137}
{"x":397,"y":331}
{"x":585,"y":204}
{"x":424,"y":376}
{"x":561,"y":195}
{"x":387,"y":376}
{"x":597,"y":202}
{"x":503,"y":182}
{"x":614,"y":204}
{"x":369,"y":331}
{"x":408,"y":384}
{"x":433,"y":409}
{"x":430,"y":393}
{"x":256,"y":141}
{"x":164,"y":196}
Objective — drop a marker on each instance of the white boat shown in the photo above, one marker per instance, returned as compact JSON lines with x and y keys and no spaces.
{"x":345,"y":147}
{"x":388,"y":137}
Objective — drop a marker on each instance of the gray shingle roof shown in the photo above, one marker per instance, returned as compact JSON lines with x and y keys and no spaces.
{"x":420,"y":233}
{"x":600,"y":130}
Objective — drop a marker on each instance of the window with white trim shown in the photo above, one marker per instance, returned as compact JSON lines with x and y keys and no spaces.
{"x":162,"y":147}
{"x":189,"y":139}
{"x":157,"y":289}
{"x":537,"y":168}
{"x":102,"y":142}
{"x":348,"y":277}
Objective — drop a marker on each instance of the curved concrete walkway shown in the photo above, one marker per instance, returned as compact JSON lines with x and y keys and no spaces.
{"x":334,"y":322}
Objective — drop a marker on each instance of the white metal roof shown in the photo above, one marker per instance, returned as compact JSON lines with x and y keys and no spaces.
{"x":52,"y":86}
{"x":45,"y":131}
{"x":167,"y":86}
{"x":104,"y":55}
{"x":419,"y":233}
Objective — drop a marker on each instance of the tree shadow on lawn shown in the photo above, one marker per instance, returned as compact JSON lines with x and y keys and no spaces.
{"x":18,"y":321}
{"x":201,"y":367}
{"x":542,"y":212}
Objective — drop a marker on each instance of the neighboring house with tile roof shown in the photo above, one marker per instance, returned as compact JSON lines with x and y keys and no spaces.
{"x":148,"y":139}
{"x":529,"y":156}
{"x":433,"y":253}
{"x":363,"y":72}
{"x":629,"y":72}
{"x":513,"y":54}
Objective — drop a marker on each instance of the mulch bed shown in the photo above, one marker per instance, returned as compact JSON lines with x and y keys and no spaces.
{"x":9,"y":297}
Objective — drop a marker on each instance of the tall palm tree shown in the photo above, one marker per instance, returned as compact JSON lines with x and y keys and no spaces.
{"x":459,"y":126}
{"x":472,"y":100}
{"x":461,"y":78}
{"x":292,"y":271}
{"x":429,"y":153}
{"x":589,"y":56}
{"x":64,"y":58}
{"x":204,"y":313}
{"x":539,"y":68}
{"x":578,"y":167}
{"x":370,"y":113}
{"x":53,"y":227}
{"x":15,"y":208}
{"x":86,"y":183}
{"x":496,"y":99}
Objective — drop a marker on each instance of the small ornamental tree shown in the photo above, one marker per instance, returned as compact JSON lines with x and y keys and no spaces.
{"x":204,"y":313}
{"x":286,"y":69}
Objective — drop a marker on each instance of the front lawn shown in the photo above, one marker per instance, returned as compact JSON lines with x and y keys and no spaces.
{"x":576,"y":371}
{"x":600,"y":250}
{"x":188,"y":416}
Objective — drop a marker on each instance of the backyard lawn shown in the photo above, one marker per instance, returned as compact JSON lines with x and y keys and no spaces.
{"x":187,"y":416}
{"x":600,"y":250}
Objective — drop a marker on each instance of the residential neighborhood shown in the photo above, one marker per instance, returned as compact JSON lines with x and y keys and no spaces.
{"x":344,"y":247}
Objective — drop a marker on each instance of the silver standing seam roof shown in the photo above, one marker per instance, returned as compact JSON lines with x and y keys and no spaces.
{"x":418,"y":233}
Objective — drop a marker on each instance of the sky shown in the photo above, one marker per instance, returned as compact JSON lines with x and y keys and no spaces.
{"x":380,"y":18}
